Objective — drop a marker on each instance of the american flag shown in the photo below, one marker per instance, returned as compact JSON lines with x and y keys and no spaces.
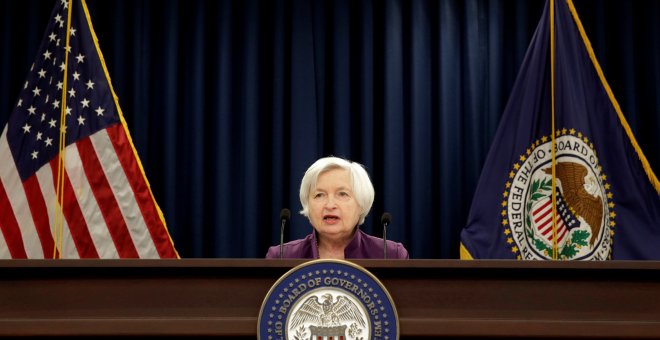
{"x":106,"y":208}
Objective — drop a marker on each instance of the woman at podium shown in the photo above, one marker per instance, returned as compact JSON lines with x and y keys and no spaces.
{"x":336,"y":195}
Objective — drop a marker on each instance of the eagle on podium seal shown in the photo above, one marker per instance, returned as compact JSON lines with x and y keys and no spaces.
{"x":328,"y":300}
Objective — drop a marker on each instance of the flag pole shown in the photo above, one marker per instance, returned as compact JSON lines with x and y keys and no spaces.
{"x":59,"y":208}
{"x":552,"y":133}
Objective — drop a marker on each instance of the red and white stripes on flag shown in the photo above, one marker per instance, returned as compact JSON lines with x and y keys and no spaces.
{"x":542,"y":215}
{"x":108,"y":211}
{"x":105,"y":208}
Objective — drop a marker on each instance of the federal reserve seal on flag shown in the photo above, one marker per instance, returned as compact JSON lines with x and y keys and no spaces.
{"x":584,"y":221}
{"x":328,"y":299}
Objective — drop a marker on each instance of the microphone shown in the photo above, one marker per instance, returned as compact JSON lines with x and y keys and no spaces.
{"x":385,"y":221}
{"x":285,"y":215}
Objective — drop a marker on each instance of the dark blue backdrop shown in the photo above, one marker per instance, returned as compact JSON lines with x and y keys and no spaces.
{"x":228,"y":102}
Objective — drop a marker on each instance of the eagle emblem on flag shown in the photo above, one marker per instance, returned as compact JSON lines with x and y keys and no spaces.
{"x":583,"y":202}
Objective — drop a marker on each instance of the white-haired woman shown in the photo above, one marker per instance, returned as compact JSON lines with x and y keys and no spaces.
{"x":336,"y":195}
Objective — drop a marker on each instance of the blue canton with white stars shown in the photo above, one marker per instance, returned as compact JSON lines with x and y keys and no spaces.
{"x":34,"y":125}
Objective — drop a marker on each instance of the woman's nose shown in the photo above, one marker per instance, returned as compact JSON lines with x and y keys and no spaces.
{"x":330,"y":202}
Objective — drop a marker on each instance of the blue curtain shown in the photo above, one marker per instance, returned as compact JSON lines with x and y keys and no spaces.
{"x":228,"y":102}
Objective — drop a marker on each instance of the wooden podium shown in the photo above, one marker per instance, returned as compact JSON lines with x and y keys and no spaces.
{"x":434,"y":298}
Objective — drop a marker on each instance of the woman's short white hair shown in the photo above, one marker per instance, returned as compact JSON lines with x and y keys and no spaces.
{"x":360,"y":181}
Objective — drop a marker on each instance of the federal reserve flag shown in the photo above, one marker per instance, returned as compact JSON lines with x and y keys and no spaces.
{"x":595,"y":197}
{"x":71,"y":183}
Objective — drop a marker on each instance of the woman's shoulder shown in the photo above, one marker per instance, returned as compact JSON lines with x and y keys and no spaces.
{"x":394,"y":249}
{"x":297,"y":248}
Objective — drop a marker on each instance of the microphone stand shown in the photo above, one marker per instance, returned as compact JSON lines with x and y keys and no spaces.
{"x":385,"y":220}
{"x":282,"y":238}
{"x":385,"y":240}
{"x":285,"y":215}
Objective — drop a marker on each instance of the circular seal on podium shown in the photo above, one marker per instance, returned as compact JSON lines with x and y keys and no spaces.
{"x":328,"y":300}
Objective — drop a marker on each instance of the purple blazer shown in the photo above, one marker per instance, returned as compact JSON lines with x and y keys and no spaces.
{"x":362,"y":246}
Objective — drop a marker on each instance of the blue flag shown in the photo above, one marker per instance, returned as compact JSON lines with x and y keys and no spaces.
{"x":595,"y":197}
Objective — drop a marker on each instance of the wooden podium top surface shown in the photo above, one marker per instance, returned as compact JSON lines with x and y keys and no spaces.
{"x":434,"y":298}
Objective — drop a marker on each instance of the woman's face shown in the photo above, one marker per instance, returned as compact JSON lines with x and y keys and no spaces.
{"x":334,"y":212}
